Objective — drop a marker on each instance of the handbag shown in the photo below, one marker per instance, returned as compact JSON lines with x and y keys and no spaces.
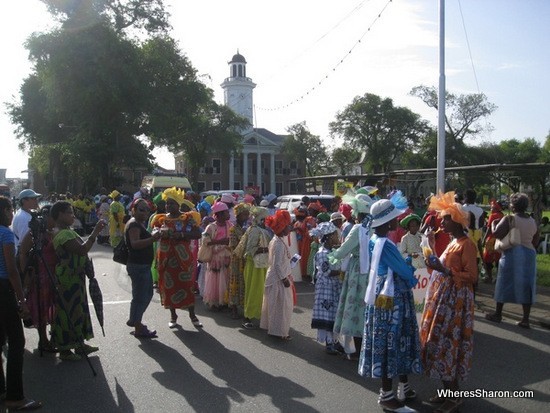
{"x":120,"y":253}
{"x":205,"y":252}
{"x":511,"y":239}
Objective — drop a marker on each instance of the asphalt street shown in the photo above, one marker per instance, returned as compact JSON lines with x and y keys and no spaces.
{"x":225,"y":368}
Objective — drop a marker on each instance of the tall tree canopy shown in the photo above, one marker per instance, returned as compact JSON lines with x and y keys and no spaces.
{"x":379,"y":128}
{"x":96,"y":92}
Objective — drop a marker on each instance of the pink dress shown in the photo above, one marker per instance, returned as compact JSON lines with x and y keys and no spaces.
{"x":216,"y":279}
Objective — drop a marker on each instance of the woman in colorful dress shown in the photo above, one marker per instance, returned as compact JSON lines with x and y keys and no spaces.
{"x":255,"y":242}
{"x":447,"y":325}
{"x":490,"y":254}
{"x":353,"y":253}
{"x":304,"y":223}
{"x":39,"y":278}
{"x":278,"y":301}
{"x":174,"y":257}
{"x":236,"y":278}
{"x":216,"y":278}
{"x":327,"y":287}
{"x":103,"y":213}
{"x":116,"y":218}
{"x":391,"y":346}
{"x":72,"y":324}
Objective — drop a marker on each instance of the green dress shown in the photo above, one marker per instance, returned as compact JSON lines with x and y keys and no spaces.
{"x":72,"y":323}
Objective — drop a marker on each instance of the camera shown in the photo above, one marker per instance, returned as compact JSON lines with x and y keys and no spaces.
{"x":37,"y":224}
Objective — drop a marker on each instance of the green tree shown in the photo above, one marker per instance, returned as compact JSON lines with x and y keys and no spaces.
{"x":305,"y":148}
{"x":375,"y":125}
{"x":342,"y":160}
{"x":463,"y":115}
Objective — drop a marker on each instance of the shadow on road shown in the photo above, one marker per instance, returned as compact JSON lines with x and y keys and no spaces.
{"x":243,"y":377}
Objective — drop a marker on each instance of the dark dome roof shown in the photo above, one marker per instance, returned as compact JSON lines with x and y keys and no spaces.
{"x":238,"y":58}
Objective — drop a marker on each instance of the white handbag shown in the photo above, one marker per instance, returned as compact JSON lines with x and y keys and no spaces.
{"x":511,"y":239}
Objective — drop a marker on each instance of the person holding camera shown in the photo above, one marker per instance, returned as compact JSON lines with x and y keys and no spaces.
{"x":37,"y":260}
{"x":28,"y":199}
{"x":12,"y":308}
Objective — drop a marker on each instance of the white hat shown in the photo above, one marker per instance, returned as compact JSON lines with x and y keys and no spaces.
{"x":264,"y":203}
{"x":335,"y":216}
{"x":383,"y":211}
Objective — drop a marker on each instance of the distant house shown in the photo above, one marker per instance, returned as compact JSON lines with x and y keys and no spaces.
{"x":259,"y":167}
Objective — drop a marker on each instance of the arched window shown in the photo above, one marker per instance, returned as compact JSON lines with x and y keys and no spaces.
{"x":240,"y":70}
{"x":234,"y":67}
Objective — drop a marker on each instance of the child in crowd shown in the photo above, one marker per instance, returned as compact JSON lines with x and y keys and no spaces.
{"x":328,"y":286}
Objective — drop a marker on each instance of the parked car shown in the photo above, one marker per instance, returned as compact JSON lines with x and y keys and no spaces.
{"x":290,"y":202}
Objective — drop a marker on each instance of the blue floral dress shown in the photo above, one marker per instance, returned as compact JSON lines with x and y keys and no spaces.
{"x":390,"y":339}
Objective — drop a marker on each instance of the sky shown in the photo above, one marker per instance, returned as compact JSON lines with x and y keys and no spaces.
{"x":310,"y":58}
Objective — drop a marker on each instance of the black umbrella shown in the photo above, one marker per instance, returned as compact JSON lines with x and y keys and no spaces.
{"x":95,"y":293}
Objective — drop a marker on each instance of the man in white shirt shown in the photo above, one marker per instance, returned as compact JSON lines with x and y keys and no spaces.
{"x":28,"y":199}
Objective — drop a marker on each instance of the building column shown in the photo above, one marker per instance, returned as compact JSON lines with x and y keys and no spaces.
{"x":272,"y":173}
{"x":259,"y":170}
{"x":245,"y":170}
{"x":231,"y":172}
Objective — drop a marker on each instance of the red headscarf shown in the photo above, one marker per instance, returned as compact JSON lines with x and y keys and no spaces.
{"x":279,"y":221}
{"x":345,"y":210}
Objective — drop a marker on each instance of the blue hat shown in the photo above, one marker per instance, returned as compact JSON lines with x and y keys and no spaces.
{"x":28,"y":193}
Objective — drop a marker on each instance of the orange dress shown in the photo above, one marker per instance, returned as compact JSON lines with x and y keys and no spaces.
{"x":176,"y":262}
{"x":447,"y":325}
{"x":302,"y":229}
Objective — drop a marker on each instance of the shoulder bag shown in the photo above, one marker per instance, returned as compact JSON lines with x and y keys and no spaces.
{"x":511,"y":239}
{"x":120,"y":253}
{"x":206,"y":251}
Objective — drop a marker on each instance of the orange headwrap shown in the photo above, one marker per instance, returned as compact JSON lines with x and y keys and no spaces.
{"x":445,"y":204}
{"x":279,"y":221}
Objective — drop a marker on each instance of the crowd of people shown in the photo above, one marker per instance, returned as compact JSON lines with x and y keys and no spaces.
{"x":362,"y":257}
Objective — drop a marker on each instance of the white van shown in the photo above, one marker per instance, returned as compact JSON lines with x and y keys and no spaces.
{"x":239,"y":192}
{"x":158,"y":183}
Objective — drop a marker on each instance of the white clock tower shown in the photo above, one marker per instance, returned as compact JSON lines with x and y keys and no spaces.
{"x":238,"y":90}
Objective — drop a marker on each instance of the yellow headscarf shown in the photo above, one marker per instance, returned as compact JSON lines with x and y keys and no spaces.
{"x":445,"y":204}
{"x":239,"y":208}
{"x":174,"y":193}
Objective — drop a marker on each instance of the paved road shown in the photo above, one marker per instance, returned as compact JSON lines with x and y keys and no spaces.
{"x":223,"y":367}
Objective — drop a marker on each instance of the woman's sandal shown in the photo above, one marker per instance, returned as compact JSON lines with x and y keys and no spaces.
{"x":449,"y":406}
{"x":494,"y":317}
{"x":23,"y":405}
{"x":146,"y":333}
{"x":173,"y":322}
{"x":523,"y":324}
{"x":248,"y":325}
{"x":436,"y":399}
{"x":196,"y":321}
